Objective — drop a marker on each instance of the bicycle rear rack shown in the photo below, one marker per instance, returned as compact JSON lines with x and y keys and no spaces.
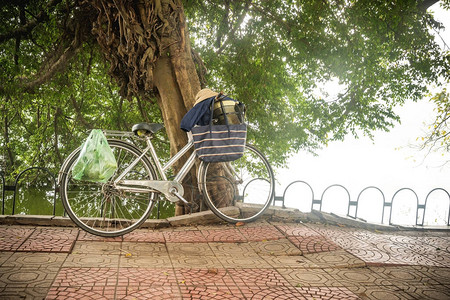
{"x":118,"y":133}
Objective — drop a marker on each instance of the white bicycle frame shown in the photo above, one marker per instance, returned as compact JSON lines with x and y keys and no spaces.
{"x":172,"y":189}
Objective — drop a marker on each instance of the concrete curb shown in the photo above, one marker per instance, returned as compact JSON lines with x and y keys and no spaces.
{"x":276,"y":214}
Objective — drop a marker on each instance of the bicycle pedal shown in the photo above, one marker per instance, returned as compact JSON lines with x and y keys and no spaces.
{"x":193,"y":207}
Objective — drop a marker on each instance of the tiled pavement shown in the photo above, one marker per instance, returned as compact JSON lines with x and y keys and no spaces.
{"x":260,"y":260}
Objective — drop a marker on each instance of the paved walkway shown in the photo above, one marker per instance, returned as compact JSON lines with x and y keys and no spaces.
{"x":262,"y":260}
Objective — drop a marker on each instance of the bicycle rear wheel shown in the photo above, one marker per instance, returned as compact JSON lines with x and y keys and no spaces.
{"x":241,"y":190}
{"x":99,"y":208}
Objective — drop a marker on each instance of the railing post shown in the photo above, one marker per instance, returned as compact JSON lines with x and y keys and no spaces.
{"x":35,"y":168}
{"x":426,"y":200}
{"x":384,"y":201}
{"x":337,"y":185}
{"x":417,"y":203}
{"x":299,"y":181}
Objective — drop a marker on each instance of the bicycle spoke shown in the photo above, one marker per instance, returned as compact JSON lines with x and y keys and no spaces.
{"x":101,"y":208}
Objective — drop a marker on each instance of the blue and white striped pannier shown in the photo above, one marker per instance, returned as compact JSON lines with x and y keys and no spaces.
{"x":219,"y":143}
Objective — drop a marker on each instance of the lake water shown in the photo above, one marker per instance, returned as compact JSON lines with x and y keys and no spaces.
{"x":32,"y":200}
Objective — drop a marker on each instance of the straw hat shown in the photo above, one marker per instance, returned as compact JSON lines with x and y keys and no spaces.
{"x":203,"y":95}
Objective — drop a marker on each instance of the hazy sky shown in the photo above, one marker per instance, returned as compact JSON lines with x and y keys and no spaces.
{"x":388,"y":162}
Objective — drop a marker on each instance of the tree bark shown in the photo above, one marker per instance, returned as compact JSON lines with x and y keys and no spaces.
{"x":147,"y":44}
{"x":176,"y":82}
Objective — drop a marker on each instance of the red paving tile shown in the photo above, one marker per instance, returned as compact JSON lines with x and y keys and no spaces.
{"x":85,"y":277}
{"x":12,"y":237}
{"x":148,"y":292}
{"x":257,"y":278}
{"x":145,"y":277}
{"x":210,"y":277}
{"x":210,"y":292}
{"x":46,"y":245}
{"x":260,"y":233}
{"x":55,"y":234}
{"x":385,"y":255}
{"x":282,"y":293}
{"x":81,"y":292}
{"x":188,"y":236}
{"x":85,"y":236}
{"x":317,"y":293}
{"x":225,"y":235}
{"x":43,"y":240}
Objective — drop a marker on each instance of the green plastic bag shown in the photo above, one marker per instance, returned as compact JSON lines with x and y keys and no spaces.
{"x":96,"y":161}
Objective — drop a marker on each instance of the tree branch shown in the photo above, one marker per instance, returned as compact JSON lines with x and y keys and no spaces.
{"x":425,"y":4}
{"x":80,"y":117}
{"x":28,"y":27}
{"x":238,"y":23}
{"x":60,"y":64}
{"x":224,"y":25}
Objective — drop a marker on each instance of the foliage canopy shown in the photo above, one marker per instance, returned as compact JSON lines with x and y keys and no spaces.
{"x":272,"y":55}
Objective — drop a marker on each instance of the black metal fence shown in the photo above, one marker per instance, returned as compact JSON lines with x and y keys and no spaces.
{"x":316,"y":204}
{"x":420,"y":211}
{"x":14,"y":187}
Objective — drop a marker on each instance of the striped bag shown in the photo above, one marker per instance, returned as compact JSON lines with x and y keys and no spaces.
{"x":219,"y":143}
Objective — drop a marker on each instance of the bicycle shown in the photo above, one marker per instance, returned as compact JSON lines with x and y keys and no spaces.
{"x":237,"y":191}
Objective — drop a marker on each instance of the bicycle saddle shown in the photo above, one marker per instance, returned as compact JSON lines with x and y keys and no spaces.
{"x":147,"y":128}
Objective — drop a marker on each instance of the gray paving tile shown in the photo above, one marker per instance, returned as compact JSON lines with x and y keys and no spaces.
{"x":26,"y":293}
{"x":309,"y":277}
{"x":27,"y":277}
{"x":245,"y":262}
{"x":281,"y":247}
{"x":335,"y":259}
{"x":188,"y":249}
{"x":295,"y":262}
{"x":195,"y":261}
{"x":144,"y":249}
{"x":36,"y":260}
{"x":4,"y":256}
{"x":232,"y":250}
{"x":429,"y":292}
{"x":141,"y":261}
{"x":372,"y":292}
{"x":359,"y":276}
{"x":97,"y":248}
{"x":91,"y":261}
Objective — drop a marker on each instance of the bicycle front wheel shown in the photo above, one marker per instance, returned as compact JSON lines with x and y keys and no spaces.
{"x":101,"y":209}
{"x":241,"y":190}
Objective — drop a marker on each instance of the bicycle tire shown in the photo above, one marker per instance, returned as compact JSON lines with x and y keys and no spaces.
{"x":227,"y":186}
{"x":100,"y":209}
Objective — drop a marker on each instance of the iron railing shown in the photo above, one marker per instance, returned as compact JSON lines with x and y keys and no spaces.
{"x":316,"y":204}
{"x":14,"y":187}
{"x":386,"y":204}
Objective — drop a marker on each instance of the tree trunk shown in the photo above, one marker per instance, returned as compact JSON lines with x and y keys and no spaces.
{"x":171,"y":103}
{"x":147,"y":44}
{"x":176,"y":82}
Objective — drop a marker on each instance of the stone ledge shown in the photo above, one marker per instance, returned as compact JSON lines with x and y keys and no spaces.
{"x":276,"y":214}
{"x":155,"y":224}
{"x":199,"y":218}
